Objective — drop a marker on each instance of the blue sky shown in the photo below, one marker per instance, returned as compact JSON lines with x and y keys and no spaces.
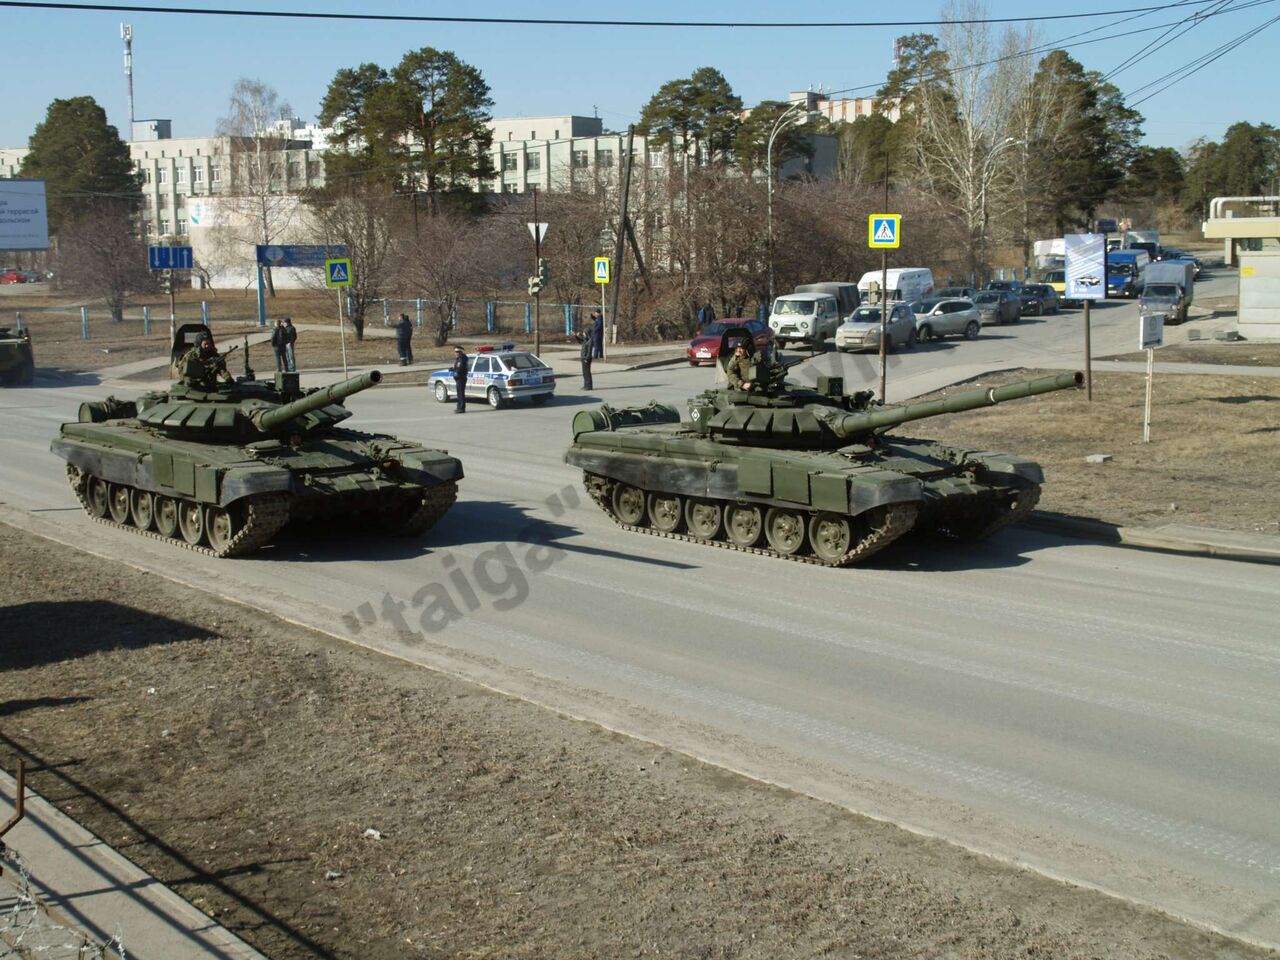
{"x":185,"y":65}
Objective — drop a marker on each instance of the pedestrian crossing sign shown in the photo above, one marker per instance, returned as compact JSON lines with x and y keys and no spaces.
{"x":884,"y":231}
{"x":602,"y":269}
{"x":337,"y":273}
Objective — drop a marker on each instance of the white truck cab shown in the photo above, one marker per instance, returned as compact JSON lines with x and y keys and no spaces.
{"x":907,"y":284}
{"x":804,"y":318}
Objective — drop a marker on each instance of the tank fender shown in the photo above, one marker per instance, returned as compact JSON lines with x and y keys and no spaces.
{"x":431,"y":466}
{"x":877,"y":488}
{"x":691,"y":478}
{"x":1006,"y":464}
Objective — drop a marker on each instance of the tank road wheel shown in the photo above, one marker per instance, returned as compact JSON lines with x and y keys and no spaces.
{"x":221,"y":527}
{"x":743,"y":524}
{"x":442,"y":392}
{"x":830,"y":536}
{"x":191,"y":521}
{"x":96,"y":500}
{"x":118,"y":502}
{"x":628,"y":504}
{"x":666,"y":512}
{"x":703,"y":518}
{"x":142,"y":509}
{"x":784,"y":530}
{"x":166,"y":512}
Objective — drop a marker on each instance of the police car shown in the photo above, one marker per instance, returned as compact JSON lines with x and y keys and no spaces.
{"x":499,"y":376}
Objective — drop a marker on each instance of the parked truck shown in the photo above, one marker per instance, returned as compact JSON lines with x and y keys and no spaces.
{"x":1169,"y":288}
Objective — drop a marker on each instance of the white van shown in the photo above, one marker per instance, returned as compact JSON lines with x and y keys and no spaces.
{"x":804,"y":318}
{"x":907,"y":284}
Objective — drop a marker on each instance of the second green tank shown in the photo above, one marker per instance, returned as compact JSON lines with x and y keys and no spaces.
{"x":802,"y":474}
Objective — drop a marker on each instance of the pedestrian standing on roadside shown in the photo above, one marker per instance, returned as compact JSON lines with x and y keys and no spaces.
{"x":587,"y":347}
{"x":291,"y":337}
{"x":404,"y":338}
{"x":597,"y":334}
{"x":460,"y":368}
{"x":280,"y":345}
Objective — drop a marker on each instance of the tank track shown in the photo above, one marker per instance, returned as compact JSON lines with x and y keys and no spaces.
{"x":435,"y":503}
{"x":995,"y":519}
{"x":265,"y":515}
{"x":896,"y":520}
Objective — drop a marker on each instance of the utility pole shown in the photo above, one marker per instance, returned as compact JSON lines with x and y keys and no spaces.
{"x":624,"y":225}
{"x":884,"y":292}
{"x":537,"y":263}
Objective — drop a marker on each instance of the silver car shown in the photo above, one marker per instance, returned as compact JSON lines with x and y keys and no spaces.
{"x":862,"y":330}
{"x":937,"y":318}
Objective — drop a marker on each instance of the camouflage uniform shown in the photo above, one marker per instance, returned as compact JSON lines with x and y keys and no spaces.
{"x":200,"y":370}
{"x":740,"y":370}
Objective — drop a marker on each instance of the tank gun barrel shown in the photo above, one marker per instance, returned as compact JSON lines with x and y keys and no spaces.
{"x":849,"y":424}
{"x":270,"y":419}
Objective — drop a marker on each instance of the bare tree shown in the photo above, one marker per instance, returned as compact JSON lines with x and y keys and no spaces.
{"x":450,"y":255}
{"x":101,"y":254}
{"x":962,"y":127}
{"x":254,"y":191}
{"x":370,"y":222}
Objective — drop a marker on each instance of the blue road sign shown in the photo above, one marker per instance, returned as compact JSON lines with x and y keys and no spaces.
{"x":337,"y":273}
{"x":298,"y":254}
{"x":883,"y":230}
{"x":170,"y":258}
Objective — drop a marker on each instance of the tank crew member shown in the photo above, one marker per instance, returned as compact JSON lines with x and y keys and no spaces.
{"x":741,"y":367}
{"x":202,"y":364}
{"x":460,"y":368}
{"x":404,"y":334}
{"x":586,"y":345}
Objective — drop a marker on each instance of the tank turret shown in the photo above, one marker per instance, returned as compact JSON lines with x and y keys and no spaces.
{"x":222,"y":467}
{"x":806,"y":474}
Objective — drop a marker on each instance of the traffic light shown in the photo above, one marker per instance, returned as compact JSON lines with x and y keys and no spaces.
{"x":544,"y":270}
{"x":535,"y":286}
{"x":166,"y":281}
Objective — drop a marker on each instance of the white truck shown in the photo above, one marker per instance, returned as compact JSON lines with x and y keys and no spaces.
{"x":810,"y":318}
{"x":907,"y":284}
{"x":1168,"y":288}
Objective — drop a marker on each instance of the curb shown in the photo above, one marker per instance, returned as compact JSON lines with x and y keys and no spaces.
{"x":1170,"y":538}
{"x":86,"y":885}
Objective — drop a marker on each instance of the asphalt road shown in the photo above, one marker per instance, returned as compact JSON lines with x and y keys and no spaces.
{"x":1101,"y":714}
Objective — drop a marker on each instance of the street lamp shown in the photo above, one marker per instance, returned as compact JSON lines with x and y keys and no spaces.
{"x":790,"y":115}
{"x":982,"y":190}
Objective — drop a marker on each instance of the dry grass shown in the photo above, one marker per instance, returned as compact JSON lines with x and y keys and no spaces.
{"x":1211,"y":460}
{"x":1239,"y":353}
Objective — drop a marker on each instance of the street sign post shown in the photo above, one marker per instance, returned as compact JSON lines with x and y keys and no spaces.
{"x":337,"y":274}
{"x":1150,"y":336}
{"x":884,"y":231}
{"x":170,"y":258}
{"x":602,"y":278}
{"x":1085,"y":275}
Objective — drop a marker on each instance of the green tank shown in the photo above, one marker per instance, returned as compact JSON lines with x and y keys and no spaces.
{"x":222,"y":469}
{"x":802,"y":474}
{"x":17,"y":362}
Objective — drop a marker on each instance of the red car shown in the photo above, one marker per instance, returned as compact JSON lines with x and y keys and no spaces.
{"x":702,"y":348}
{"x":13,"y":276}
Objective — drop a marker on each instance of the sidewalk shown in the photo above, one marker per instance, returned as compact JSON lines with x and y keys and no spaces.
{"x":85,"y":893}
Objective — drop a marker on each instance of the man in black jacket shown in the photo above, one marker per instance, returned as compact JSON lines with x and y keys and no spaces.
{"x":460,"y":368}
{"x":280,"y":344}
{"x":290,"y":338}
{"x":404,"y":334}
{"x":586,"y":352}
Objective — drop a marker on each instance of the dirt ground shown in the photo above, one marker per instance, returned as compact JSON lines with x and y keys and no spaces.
{"x":1240,"y":353}
{"x":245,"y":761}
{"x":1211,"y":461}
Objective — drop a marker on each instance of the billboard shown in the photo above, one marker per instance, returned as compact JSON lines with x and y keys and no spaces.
{"x":298,"y":254}
{"x":24,"y":215}
{"x":1086,"y":266}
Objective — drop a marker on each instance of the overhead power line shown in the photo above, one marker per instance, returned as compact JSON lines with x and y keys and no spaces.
{"x":1179,"y":29}
{"x":565,"y":22}
{"x":1199,"y":63}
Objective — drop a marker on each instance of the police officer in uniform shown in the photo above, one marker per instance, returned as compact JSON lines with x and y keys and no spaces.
{"x":585,"y":353}
{"x":460,"y":368}
{"x":404,"y":337}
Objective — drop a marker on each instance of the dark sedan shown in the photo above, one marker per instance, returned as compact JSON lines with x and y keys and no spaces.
{"x":703,"y":347}
{"x":997,"y":306}
{"x":1038,"y":298}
